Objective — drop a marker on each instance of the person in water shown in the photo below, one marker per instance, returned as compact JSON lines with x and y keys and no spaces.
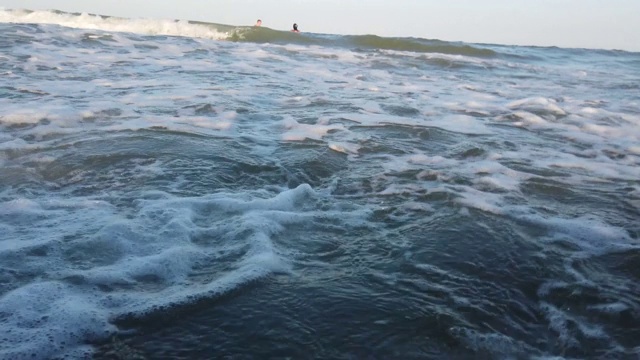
{"x":295,"y":28}
{"x":259,"y":23}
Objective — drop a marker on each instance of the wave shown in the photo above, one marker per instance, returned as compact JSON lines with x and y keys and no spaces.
{"x":198,"y":29}
{"x":420,"y":45}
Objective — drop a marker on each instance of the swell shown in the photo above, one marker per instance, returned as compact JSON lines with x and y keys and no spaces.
{"x":368,"y":42}
{"x":419,"y":45}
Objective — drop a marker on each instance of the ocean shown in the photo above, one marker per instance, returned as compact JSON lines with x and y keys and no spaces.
{"x":186,"y":190}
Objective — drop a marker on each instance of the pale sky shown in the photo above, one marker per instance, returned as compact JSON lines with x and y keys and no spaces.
{"x":607,"y":24}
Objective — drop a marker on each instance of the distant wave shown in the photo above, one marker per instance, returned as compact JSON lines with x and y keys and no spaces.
{"x":260,"y":35}
{"x":197,"y":29}
{"x":419,"y":45}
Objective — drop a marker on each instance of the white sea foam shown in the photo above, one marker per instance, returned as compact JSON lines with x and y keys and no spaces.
{"x":495,"y":343}
{"x":346,"y":148}
{"x":23,"y":117}
{"x":296,"y":131}
{"x":538,"y":105}
{"x":155,"y":250}
{"x":96,"y":22}
{"x":46,"y":317}
{"x":460,"y":124}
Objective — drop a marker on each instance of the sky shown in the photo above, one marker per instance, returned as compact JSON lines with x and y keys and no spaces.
{"x":600,"y":24}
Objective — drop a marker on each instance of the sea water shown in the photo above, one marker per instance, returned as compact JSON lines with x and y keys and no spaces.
{"x":171,"y":189}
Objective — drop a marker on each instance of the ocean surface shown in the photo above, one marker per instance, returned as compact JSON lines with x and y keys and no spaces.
{"x":174,"y":189}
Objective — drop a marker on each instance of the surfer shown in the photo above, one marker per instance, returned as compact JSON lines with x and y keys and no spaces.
{"x":258,"y":23}
{"x":295,"y":28}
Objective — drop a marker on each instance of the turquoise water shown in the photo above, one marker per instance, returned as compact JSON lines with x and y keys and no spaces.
{"x":174,"y":189}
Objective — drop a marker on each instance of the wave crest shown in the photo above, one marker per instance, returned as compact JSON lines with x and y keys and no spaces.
{"x":197,"y":29}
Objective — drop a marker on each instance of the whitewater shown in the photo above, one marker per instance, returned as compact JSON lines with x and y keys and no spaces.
{"x":176,"y":189}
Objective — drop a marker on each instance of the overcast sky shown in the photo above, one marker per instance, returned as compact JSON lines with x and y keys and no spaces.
{"x":609,"y":24}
